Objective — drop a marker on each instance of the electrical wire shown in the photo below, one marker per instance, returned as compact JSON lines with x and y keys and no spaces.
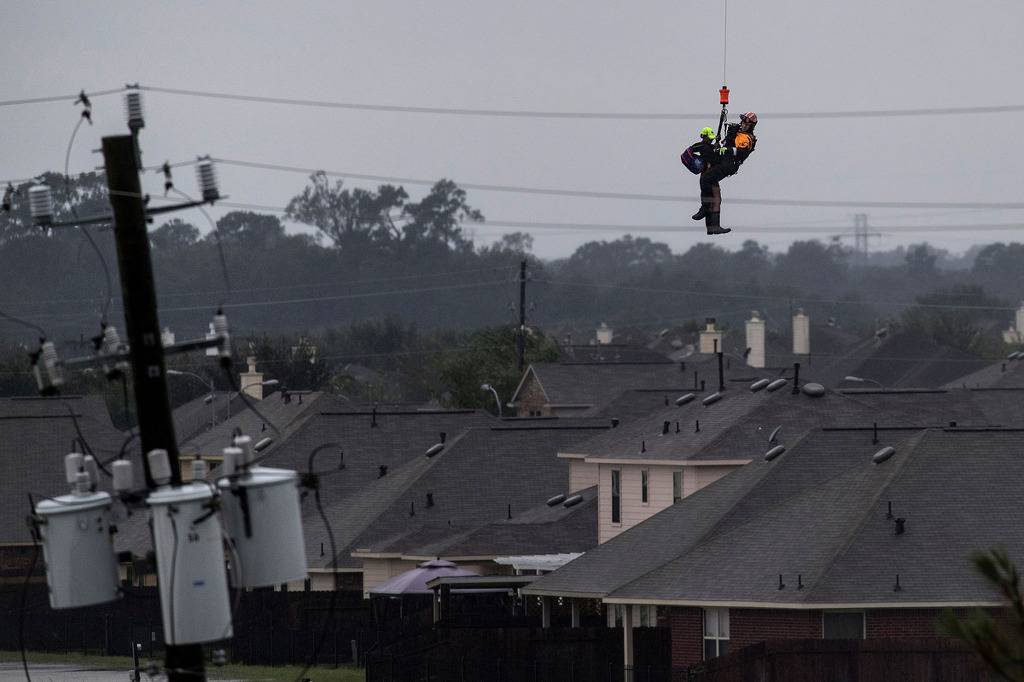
{"x":631,"y":196}
{"x":577,"y":115}
{"x":328,"y":620}
{"x":725,"y":40}
{"x":58,"y":98}
{"x":23,"y":323}
{"x":217,"y":240}
{"x":85,"y":444}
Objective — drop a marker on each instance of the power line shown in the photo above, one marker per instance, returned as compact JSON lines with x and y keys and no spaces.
{"x":58,"y":98}
{"x":630,"y":196}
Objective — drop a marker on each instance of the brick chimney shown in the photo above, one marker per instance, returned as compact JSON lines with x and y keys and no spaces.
{"x":604,"y":335}
{"x":251,"y":381}
{"x":710,"y":337}
{"x":801,"y":333}
{"x":755,"y":340}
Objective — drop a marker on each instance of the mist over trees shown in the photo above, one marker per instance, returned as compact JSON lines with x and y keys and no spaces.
{"x":391,"y":284}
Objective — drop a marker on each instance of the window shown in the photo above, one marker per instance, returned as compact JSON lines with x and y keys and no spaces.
{"x":616,"y":496}
{"x":716,"y":633}
{"x":843,"y":625}
{"x":677,"y":486}
{"x":643,"y":486}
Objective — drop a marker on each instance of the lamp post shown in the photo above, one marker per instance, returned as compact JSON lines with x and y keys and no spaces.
{"x":208,"y":383}
{"x":488,"y":387}
{"x":864,"y":380}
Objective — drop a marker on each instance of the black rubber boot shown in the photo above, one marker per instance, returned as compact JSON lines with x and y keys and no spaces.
{"x":713,"y":224}
{"x":699,"y":215}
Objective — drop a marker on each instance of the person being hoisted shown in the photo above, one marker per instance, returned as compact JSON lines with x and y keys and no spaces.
{"x":738,"y":144}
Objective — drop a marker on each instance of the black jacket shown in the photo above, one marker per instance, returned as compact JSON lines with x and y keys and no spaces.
{"x":740,"y":153}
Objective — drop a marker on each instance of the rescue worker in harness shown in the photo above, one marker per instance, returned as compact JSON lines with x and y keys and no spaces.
{"x":739,"y":143}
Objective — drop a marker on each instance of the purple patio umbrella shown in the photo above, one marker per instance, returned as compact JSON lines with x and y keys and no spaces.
{"x":414,"y":581}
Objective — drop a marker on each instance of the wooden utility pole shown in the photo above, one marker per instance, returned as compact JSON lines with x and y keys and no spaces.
{"x":149,"y":377}
{"x":521,"y":336}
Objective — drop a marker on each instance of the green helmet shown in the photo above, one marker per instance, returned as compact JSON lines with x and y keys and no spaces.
{"x":707,"y":133}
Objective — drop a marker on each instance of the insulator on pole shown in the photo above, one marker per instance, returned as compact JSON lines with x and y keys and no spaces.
{"x":133,"y":111}
{"x":207,"y":176}
{"x":40,"y":205}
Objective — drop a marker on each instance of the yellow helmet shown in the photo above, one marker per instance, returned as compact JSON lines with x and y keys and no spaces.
{"x":708,"y":134}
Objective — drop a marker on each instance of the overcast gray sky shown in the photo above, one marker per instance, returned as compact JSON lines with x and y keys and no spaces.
{"x":644,"y":56}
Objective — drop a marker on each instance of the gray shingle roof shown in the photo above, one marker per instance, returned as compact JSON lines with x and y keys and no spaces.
{"x":1003,"y":374}
{"x":36,"y":434}
{"x":195,"y":417}
{"x":819,"y":511}
{"x":473,"y":481}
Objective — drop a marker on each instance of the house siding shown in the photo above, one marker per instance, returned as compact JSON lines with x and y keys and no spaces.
{"x":581,"y":475}
{"x":634,"y":510}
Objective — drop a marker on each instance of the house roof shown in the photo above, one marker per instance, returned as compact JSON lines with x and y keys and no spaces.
{"x":1003,"y":374}
{"x":612,"y":354}
{"x":817,"y":516}
{"x":905,"y":360}
{"x":473,"y":481}
{"x":197,"y":416}
{"x":36,"y":434}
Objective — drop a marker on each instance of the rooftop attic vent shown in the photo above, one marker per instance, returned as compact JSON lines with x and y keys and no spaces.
{"x":814,"y":390}
{"x":683,"y":399}
{"x":557,"y":499}
{"x":758,"y":385}
{"x":775,"y":385}
{"x":262,"y":444}
{"x":434,"y":449}
{"x":1015,"y":355}
{"x":664,"y":427}
{"x":713,"y":398}
{"x":572,"y":501}
{"x":883,"y":454}
{"x":774,"y":452}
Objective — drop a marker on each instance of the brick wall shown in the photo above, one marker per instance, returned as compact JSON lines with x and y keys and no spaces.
{"x":531,"y":399}
{"x":750,"y":626}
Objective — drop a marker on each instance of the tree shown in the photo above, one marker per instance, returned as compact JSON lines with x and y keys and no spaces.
{"x":439,"y":215}
{"x":79,"y":196}
{"x":251,"y":229}
{"x":488,"y":356}
{"x":1000,"y":644}
{"x":344,"y":215}
{"x":957,"y":317}
{"x":174,"y":234}
{"x":920,"y":260}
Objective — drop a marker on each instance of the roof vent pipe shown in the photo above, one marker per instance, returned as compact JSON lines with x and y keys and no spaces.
{"x":721,"y":372}
{"x":373,"y":418}
{"x":430,"y":499}
{"x":615,"y":423}
{"x":901,"y":526}
{"x":664,"y":428}
{"x":874,"y":433}
{"x":382,"y":471}
{"x":796,"y":378}
{"x":643,"y":446}
{"x":677,"y":426}
{"x":697,"y":430}
{"x":695,"y":380}
{"x":443,"y":436}
{"x":888,"y":514}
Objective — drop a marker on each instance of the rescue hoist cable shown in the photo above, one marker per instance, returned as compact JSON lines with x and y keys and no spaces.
{"x":723,"y":93}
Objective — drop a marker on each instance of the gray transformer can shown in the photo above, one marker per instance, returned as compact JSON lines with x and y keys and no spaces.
{"x":262,"y":518}
{"x":78,"y":548}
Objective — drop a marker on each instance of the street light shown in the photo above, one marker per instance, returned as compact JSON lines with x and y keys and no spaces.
{"x":863,"y":380}
{"x":488,"y":387}
{"x":211,"y":399}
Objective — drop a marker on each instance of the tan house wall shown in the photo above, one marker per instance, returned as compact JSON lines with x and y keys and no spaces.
{"x":659,"y":492}
{"x":581,"y":475}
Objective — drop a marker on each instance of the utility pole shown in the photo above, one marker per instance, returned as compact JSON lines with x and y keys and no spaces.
{"x":521,"y":336}
{"x":149,"y":377}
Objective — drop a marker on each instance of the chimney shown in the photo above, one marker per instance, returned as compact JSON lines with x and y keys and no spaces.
{"x":710,"y":337}
{"x":604,"y":335}
{"x":801,"y":333}
{"x":252,"y":381}
{"x":755,"y":340}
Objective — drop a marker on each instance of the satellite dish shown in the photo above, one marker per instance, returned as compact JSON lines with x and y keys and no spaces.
{"x":683,"y":399}
{"x":557,"y":499}
{"x":814,"y":390}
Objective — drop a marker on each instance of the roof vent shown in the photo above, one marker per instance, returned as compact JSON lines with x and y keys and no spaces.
{"x":443,"y":436}
{"x":683,"y":399}
{"x":713,"y":398}
{"x":1015,"y":355}
{"x":883,"y":454}
{"x":382,"y":471}
{"x":901,"y":526}
{"x":664,"y":428}
{"x":557,"y":499}
{"x":262,"y":444}
{"x":775,"y":385}
{"x":814,"y":390}
{"x":430,"y":499}
{"x":573,"y":501}
{"x":774,"y":452}
{"x":615,"y":423}
{"x":434,"y":449}
{"x":758,"y":385}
